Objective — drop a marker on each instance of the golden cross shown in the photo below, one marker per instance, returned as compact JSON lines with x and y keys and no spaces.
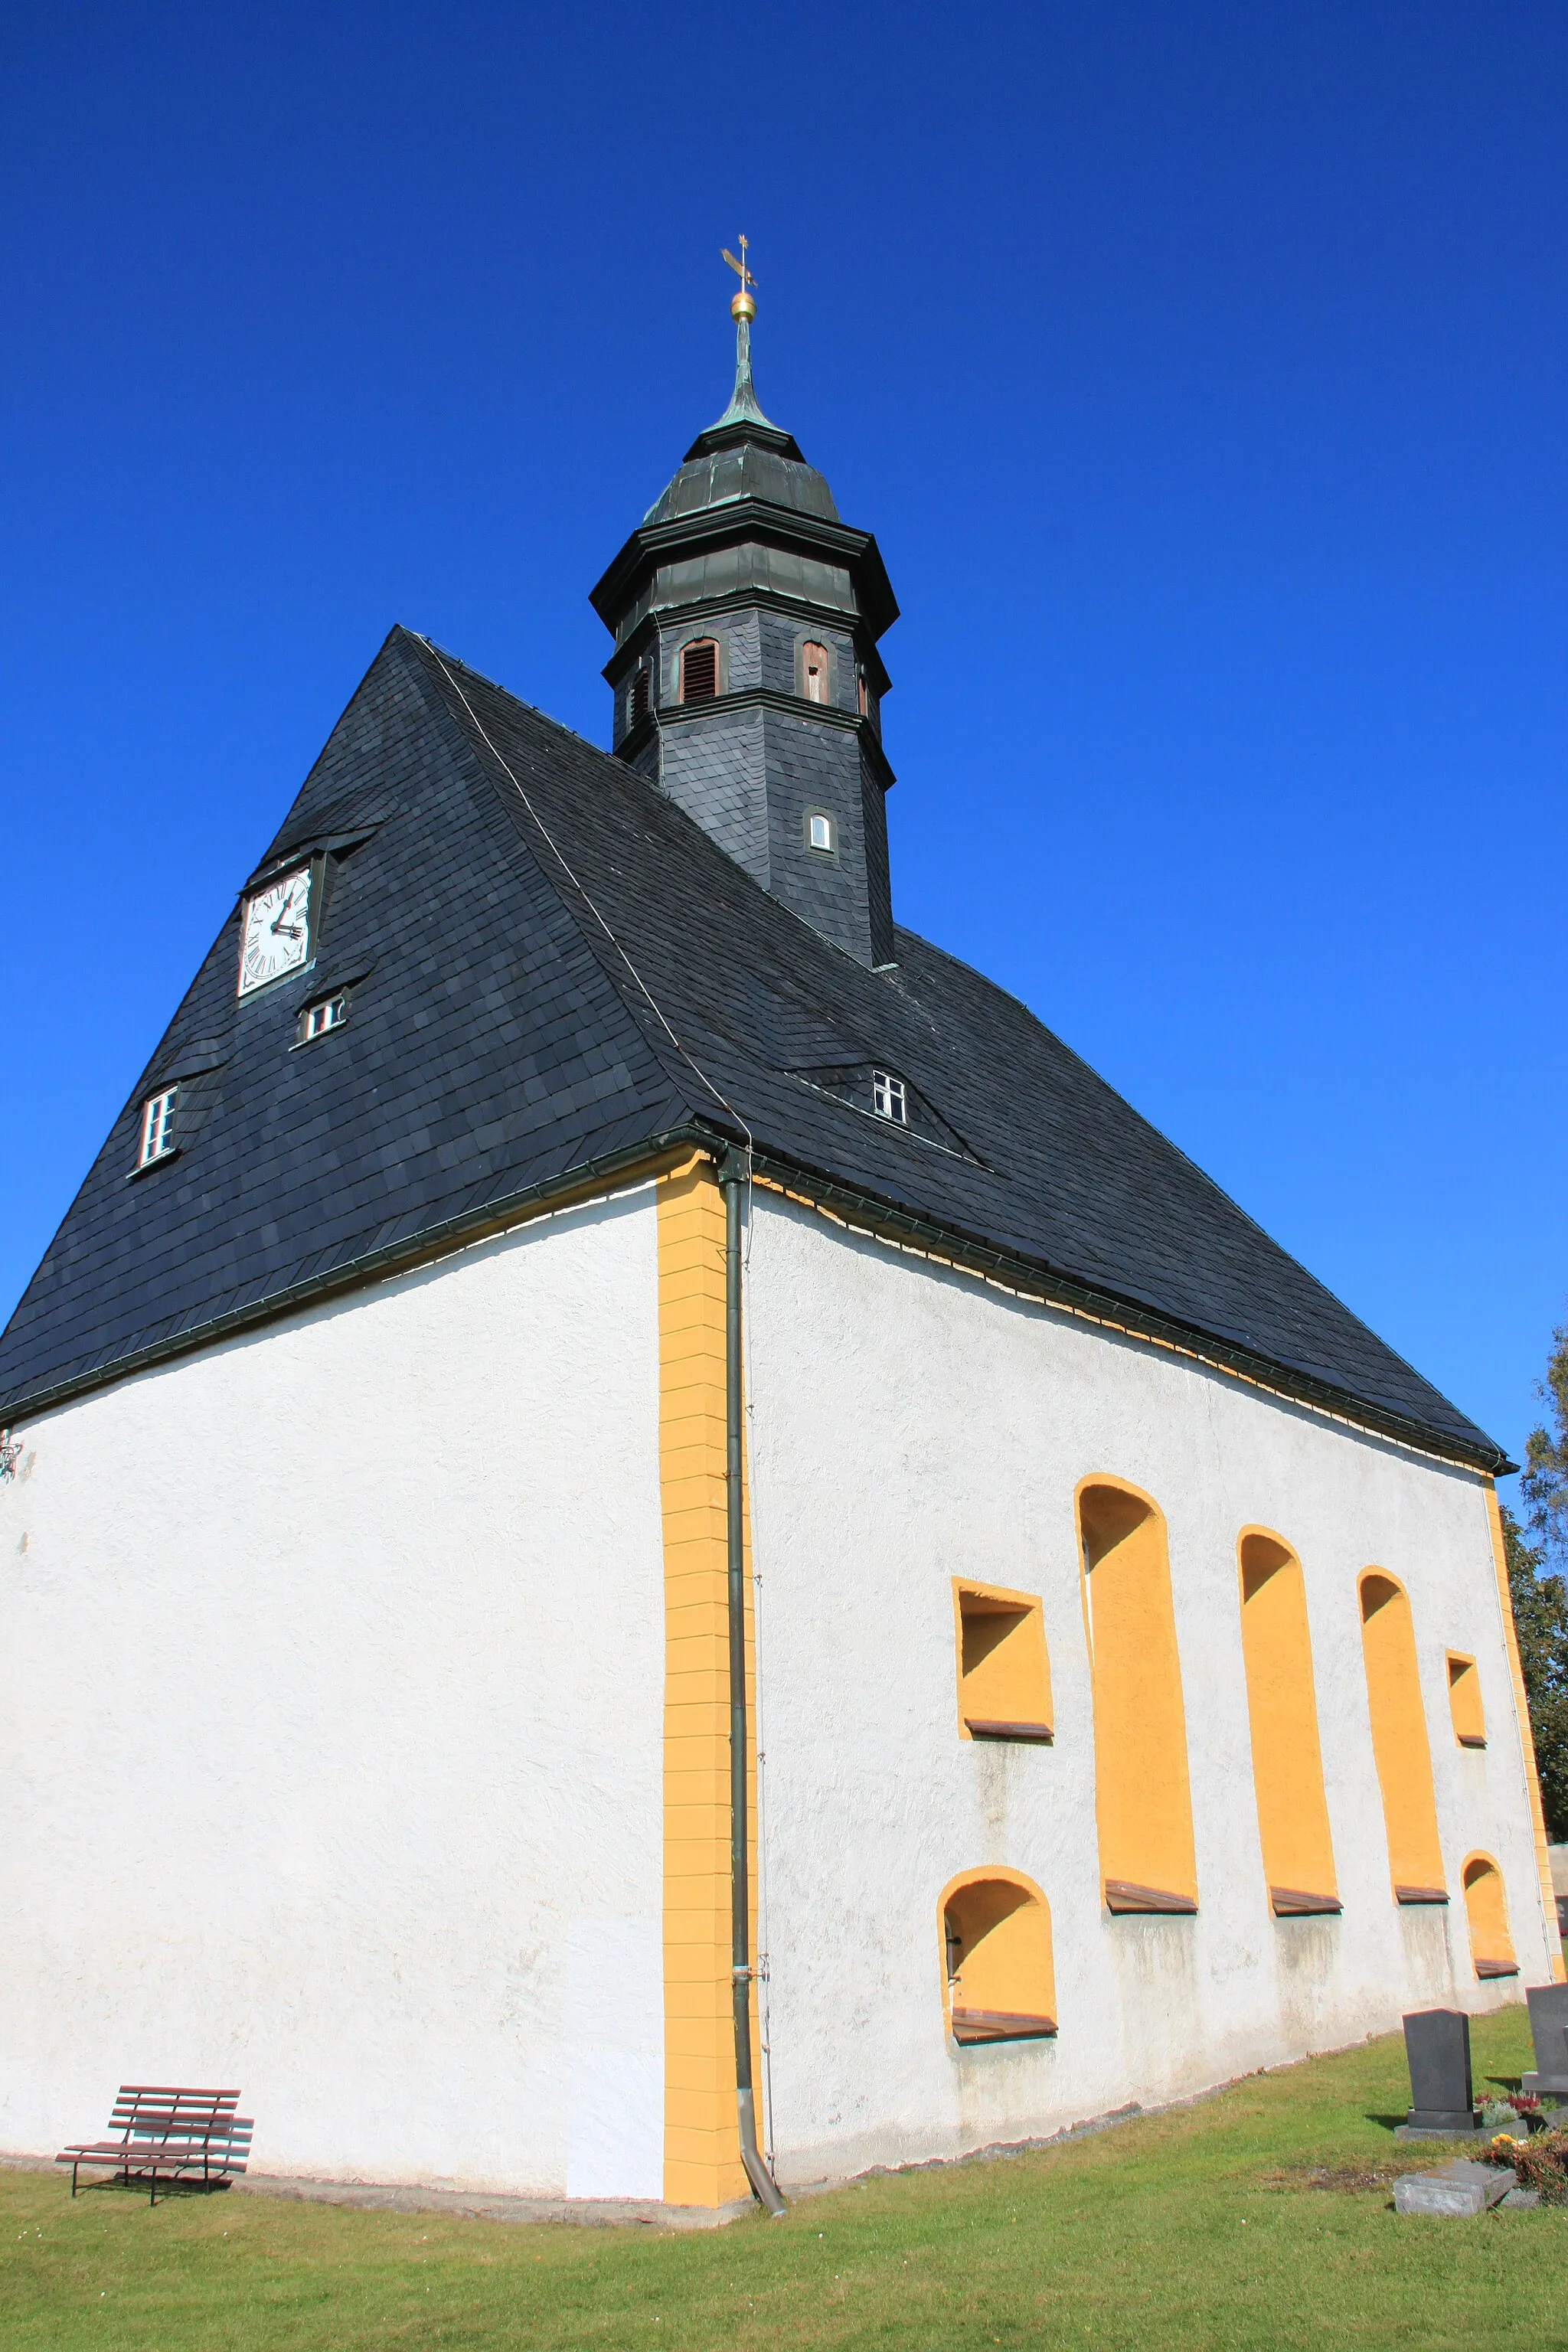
{"x":740,"y":268}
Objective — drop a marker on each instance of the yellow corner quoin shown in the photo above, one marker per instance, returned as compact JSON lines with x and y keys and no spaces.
{"x":701,"y":2136}
{"x":1527,"y":1738}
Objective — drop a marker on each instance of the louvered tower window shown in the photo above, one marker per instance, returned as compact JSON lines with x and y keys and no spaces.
{"x":700,"y":671}
{"x":639,"y":698}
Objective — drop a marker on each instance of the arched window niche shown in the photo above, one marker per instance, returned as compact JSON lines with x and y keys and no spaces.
{"x":1486,"y":1914}
{"x":1282,"y":1710}
{"x":1000,"y":1980}
{"x":1399,"y":1744}
{"x":1143,"y":1797}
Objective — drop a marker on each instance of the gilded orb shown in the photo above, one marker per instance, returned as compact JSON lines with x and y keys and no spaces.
{"x":742,"y":306}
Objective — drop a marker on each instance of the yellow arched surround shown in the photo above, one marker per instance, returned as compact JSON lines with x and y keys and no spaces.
{"x":1143,"y":1798}
{"x":1282,"y":1709}
{"x":1465,"y":1701}
{"x":997,"y":1970}
{"x":1399,"y":1741}
{"x":1486,"y":1912}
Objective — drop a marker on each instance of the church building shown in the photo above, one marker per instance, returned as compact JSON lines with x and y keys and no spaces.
{"x":653,"y":1551}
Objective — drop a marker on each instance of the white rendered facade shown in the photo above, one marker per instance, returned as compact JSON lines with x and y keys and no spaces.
{"x":331,"y":1728}
{"x":909,"y":1425}
{"x":333,"y":1711}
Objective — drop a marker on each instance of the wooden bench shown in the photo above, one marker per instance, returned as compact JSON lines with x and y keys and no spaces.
{"x":170,"y":2133}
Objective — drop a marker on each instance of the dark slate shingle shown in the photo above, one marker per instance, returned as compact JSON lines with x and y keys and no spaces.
{"x":498,"y":1039}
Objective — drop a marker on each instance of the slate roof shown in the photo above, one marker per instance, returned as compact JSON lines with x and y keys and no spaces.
{"x":498,"y":1041}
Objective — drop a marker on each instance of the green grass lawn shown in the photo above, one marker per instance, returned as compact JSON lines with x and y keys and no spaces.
{"x":1259,"y":2217}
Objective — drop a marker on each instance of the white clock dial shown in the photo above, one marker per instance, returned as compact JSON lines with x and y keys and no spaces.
{"x":277,"y":934}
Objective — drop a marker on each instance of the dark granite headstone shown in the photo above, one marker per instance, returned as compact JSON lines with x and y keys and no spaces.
{"x":1549,"y":2032}
{"x":1438,"y":2046}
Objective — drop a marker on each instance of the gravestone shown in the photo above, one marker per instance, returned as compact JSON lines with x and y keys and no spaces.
{"x":1549,"y":2032}
{"x":1438,"y":2048}
{"x":1457,"y":2190}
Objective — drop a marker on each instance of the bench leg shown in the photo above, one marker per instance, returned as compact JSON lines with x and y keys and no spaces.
{"x":73,"y":2180}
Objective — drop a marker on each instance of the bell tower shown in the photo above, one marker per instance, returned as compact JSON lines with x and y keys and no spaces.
{"x":746,"y":677}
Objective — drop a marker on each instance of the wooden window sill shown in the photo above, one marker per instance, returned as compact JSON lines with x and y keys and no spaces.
{"x":1421,"y":1895}
{"x":1122,"y":1895}
{"x":1497,"y":1968}
{"x":1294,"y":1903}
{"x":1000,"y":2025}
{"x":984,"y":1727}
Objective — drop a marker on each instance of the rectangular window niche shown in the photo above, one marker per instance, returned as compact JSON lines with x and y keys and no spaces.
{"x":1465,"y":1701}
{"x":1004,"y":1672}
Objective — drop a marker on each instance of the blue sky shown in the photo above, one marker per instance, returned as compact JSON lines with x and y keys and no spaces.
{"x":1201,"y":369}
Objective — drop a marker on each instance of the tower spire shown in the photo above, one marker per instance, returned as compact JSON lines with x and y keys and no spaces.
{"x":743,"y":408}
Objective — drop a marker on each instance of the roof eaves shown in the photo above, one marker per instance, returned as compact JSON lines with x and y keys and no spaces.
{"x":609,"y":1172}
{"x":886,"y":1219}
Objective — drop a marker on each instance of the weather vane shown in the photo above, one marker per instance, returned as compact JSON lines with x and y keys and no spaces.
{"x":742,"y":306}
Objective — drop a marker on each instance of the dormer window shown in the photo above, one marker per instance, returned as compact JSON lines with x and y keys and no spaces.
{"x":157,"y":1127}
{"x":327,"y":1012}
{"x":700,"y":671}
{"x":637,"y":706}
{"x":814,"y":673}
{"x":888,"y":1097}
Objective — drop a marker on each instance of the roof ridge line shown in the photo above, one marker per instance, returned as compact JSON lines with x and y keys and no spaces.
{"x":650,"y":1034}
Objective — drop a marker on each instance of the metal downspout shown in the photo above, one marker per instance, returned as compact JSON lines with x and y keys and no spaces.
{"x":732,"y":1176}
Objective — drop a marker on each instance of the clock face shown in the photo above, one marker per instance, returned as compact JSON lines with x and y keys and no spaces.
{"x":276,"y":935}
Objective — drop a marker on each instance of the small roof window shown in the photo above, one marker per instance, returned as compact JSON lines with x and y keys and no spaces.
{"x":157,"y":1127}
{"x":889,"y":1099}
{"x":327,"y":1012}
{"x":821,"y":833}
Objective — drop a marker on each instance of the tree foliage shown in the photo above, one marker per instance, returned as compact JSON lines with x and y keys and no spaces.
{"x":1537,"y":1589}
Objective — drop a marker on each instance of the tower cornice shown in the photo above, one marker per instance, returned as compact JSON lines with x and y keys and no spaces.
{"x":732,"y":524}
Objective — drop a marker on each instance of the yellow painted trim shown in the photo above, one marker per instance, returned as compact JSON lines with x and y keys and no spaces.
{"x":1143,"y":1787}
{"x":1526,"y":1736}
{"x":1019,"y":1689}
{"x":1486,"y":1911}
{"x":701,"y":2136}
{"x":1465,"y":1708}
{"x":1021,"y":1974}
{"x":1401,"y":1743}
{"x":1282,"y":1715}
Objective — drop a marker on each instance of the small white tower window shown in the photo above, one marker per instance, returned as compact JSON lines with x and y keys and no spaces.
{"x":819,"y":831}
{"x":327,"y":1012}
{"x":157,"y":1127}
{"x":888,"y":1097}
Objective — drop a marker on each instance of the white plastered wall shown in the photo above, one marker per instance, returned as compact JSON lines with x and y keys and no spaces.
{"x":332,"y":1706}
{"x":908,"y":1425}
